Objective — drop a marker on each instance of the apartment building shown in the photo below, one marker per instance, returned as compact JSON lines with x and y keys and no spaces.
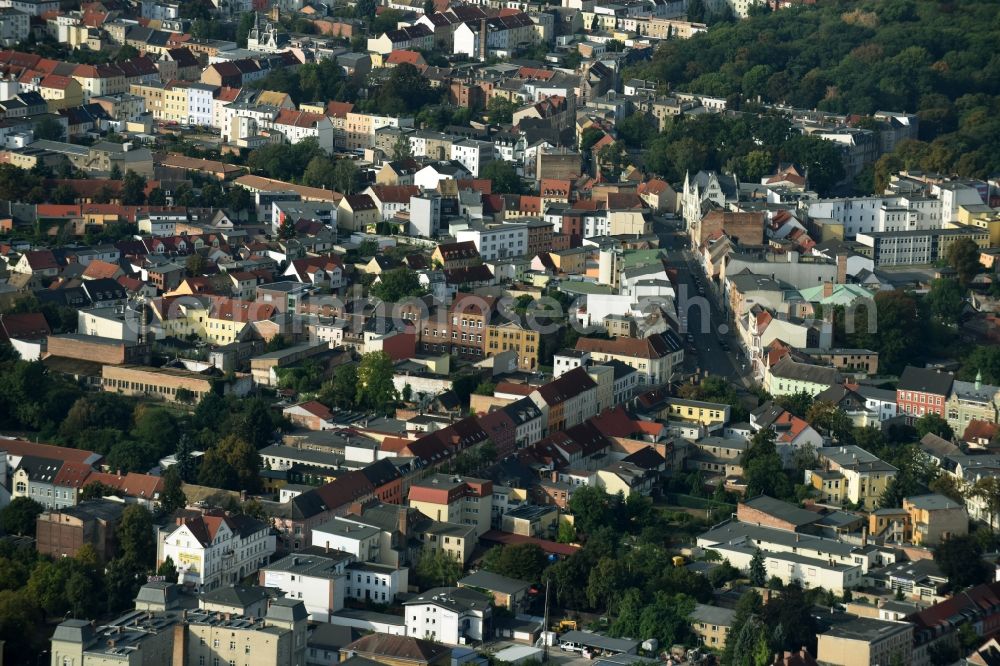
{"x":450,"y":615}
{"x":849,"y":474}
{"x":866,"y":641}
{"x":497,"y":241}
{"x":656,"y":358}
{"x":454,"y":499}
{"x":923,"y":391}
{"x":150,"y":638}
{"x":970,"y":401}
{"x":318,"y":581}
{"x":212,"y":550}
{"x":503,"y":336}
{"x":909,"y":248}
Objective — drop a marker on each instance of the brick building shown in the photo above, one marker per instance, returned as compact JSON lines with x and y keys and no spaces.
{"x":923,"y":391}
{"x":105,"y":351}
{"x":62,"y":533}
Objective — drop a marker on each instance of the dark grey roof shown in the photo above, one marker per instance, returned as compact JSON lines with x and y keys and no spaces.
{"x":333,"y":637}
{"x":782,"y":510}
{"x":713,"y":615}
{"x":867,"y":629}
{"x":287,"y":610}
{"x":925,"y":380}
{"x":235,"y":596}
{"x":493,"y":582}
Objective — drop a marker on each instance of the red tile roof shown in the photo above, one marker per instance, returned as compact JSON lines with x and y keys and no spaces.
{"x":24,"y":326}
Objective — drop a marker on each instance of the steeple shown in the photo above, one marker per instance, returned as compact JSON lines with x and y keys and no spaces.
{"x":979,"y":380}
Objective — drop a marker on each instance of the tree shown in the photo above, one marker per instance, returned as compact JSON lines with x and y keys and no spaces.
{"x":830,"y":420}
{"x":345,"y":176}
{"x":960,"y":560}
{"x":428,"y":7}
{"x":949,"y":486}
{"x":157,"y":197}
{"x":156,"y":429}
{"x":524,"y":561}
{"x":796,"y":403}
{"x":239,"y":199}
{"x":96,"y":490}
{"x":342,"y":389}
{"x":763,"y":469}
{"x":137,"y":536}
{"x":822,"y":159}
{"x":286,"y":230}
{"x":195,"y":265}
{"x":396,"y":285}
{"x":590,"y":508}
{"x":665,"y":618}
{"x":115,"y":173}
{"x":319,"y":172}
{"x":232,"y":464}
{"x":437,"y":568}
{"x":133,"y":189}
{"x":566,"y":533}
{"x":612,"y":159}
{"x":790,"y":620}
{"x":168,"y":570}
{"x":243,"y":28}
{"x":946,"y":300}
{"x":933,"y":423}
{"x":126,"y":52}
{"x":987,"y":490}
{"x":485,"y":387}
{"x":401,"y":149}
{"x":49,"y":128}
{"x":758,"y":572}
{"x":504,"y":177}
{"x":20,"y":516}
{"x":747,"y":612}
{"x":589,"y":137}
{"x":375,"y":389}
{"x":963,"y":256}
{"x":64,"y":194}
{"x":983,"y":363}
{"x":172,"y":497}
{"x":500,"y":109}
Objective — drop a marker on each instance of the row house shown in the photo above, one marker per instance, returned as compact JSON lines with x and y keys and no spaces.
{"x":567,"y":400}
{"x":415,"y":38}
{"x":500,"y":35}
{"x":444,"y":24}
{"x":360,"y":128}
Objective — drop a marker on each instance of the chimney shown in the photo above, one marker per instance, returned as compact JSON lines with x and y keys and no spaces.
{"x":842,"y":268}
{"x":482,"y":39}
{"x":828,"y":289}
{"x":402,"y":516}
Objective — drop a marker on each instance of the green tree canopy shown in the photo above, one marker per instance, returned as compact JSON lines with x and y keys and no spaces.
{"x":396,"y":285}
{"x":375,"y":389}
{"x":20,"y":516}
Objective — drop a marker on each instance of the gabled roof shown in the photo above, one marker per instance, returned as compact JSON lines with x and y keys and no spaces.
{"x":404,"y":648}
{"x":654,"y":347}
{"x":24,"y":326}
{"x":925,"y":380}
{"x":41,"y":260}
{"x":566,"y":386}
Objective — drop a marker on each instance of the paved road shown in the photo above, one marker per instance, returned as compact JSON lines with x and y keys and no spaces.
{"x":702,"y":319}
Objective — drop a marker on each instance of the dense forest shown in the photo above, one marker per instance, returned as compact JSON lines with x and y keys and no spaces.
{"x":936,"y":59}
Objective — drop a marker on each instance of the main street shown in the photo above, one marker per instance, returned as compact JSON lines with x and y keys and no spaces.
{"x":711,"y":344}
